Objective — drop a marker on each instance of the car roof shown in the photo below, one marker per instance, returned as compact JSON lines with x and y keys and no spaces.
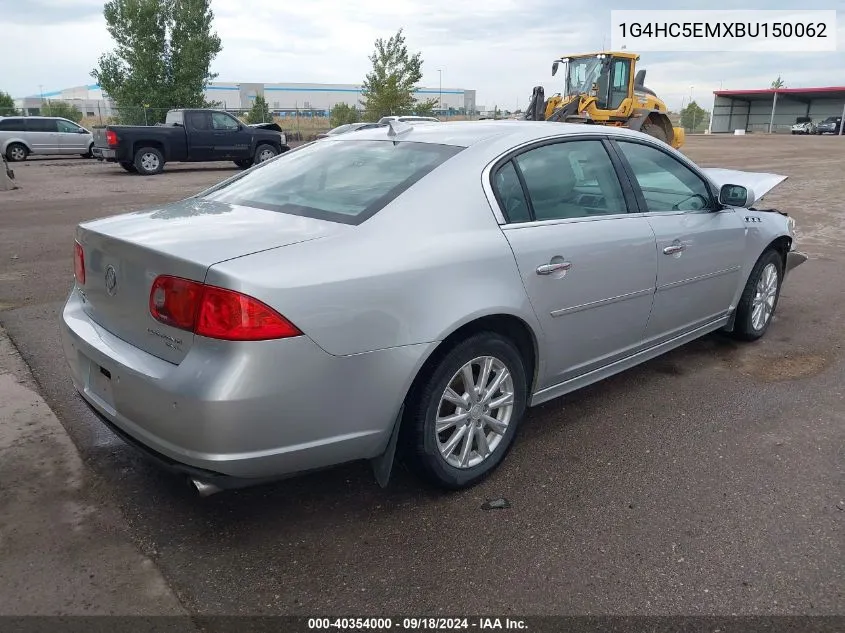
{"x":468,"y":133}
{"x":20,"y":116}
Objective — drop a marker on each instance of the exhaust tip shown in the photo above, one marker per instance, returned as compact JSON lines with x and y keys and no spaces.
{"x":204,"y":489}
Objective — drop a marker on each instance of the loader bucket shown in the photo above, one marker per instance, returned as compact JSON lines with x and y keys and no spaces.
{"x":678,"y":137}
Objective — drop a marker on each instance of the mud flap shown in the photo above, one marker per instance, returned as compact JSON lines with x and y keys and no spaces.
{"x":383,"y":464}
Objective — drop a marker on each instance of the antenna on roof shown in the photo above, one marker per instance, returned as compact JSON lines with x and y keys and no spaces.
{"x":396,"y":127}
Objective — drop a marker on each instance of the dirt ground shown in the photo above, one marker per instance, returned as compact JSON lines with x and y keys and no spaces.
{"x":709,"y":481}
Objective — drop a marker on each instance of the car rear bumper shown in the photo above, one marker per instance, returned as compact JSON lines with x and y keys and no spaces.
{"x":102,"y":153}
{"x":248,"y":411}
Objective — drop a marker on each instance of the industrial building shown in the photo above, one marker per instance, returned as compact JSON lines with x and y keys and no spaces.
{"x":283,"y":99}
{"x":773,"y":110}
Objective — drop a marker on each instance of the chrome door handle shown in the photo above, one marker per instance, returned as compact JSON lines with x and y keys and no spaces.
{"x":548,"y":269}
{"x":675,"y":248}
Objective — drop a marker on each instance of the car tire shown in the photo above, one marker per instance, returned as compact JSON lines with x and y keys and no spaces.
{"x":264,"y":152}
{"x":447,"y":459}
{"x":130,"y":167}
{"x":149,"y":161}
{"x":654,"y":130}
{"x":244,"y":164}
{"x":16,"y":152}
{"x":759,"y":298}
{"x":89,"y":153}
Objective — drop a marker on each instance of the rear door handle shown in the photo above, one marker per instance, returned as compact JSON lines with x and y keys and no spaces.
{"x":548,"y":269}
{"x":675,"y":248}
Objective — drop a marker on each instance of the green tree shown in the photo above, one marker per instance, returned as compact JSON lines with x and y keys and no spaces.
{"x":162,"y":58}
{"x":260,"y":111}
{"x":389,"y":87}
{"x":62,"y":109}
{"x":7,"y":104}
{"x":693,"y":116}
{"x":425,"y":108}
{"x":778,"y":83}
{"x":343,"y":113}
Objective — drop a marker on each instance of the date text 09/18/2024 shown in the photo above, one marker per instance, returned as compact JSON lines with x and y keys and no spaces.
{"x":416,"y":624}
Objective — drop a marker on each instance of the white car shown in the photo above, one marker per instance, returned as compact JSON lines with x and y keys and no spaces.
{"x":807,"y":127}
{"x":409,"y":119}
{"x":21,"y":136}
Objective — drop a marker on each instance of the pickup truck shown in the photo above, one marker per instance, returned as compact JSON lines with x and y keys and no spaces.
{"x":188,"y":136}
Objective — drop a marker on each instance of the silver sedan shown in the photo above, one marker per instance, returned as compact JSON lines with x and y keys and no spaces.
{"x":409,"y":291}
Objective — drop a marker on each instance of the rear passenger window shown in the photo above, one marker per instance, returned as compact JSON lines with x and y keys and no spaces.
{"x":41,"y":125}
{"x":11,"y":125}
{"x":510,"y":194}
{"x":571,"y":179}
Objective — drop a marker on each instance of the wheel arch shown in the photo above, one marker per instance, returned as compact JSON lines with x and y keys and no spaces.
{"x":781,"y":244}
{"x":137,"y":145}
{"x":17,"y":140}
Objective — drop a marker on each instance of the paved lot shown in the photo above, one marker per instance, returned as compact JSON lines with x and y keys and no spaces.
{"x":708,"y":481}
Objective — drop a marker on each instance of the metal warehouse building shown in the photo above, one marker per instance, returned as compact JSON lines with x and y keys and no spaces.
{"x":282,"y":98}
{"x":773,"y":110}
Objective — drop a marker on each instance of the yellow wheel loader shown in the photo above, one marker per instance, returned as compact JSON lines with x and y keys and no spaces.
{"x":605,"y":89}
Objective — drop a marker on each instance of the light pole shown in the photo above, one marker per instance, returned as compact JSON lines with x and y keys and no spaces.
{"x":440,"y":90}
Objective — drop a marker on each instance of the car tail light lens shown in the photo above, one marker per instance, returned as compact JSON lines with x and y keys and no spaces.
{"x":79,"y":263}
{"x":216,"y":312}
{"x":111,"y":137}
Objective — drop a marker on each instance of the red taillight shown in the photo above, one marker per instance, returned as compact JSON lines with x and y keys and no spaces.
{"x":175,"y":301}
{"x":79,"y":263}
{"x":111,"y":138}
{"x":216,"y":312}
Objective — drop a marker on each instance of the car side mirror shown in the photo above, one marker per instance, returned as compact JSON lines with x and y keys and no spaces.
{"x":736,"y":196}
{"x":82,"y":130}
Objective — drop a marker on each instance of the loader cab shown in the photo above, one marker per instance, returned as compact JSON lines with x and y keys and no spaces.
{"x":605,"y":76}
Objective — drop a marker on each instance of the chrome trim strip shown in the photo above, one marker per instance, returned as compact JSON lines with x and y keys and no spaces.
{"x":602,"y":302}
{"x":692,"y":280}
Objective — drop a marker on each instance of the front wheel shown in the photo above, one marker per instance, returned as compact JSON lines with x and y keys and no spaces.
{"x":759,"y":298}
{"x":264,"y":153}
{"x":89,"y":153}
{"x":149,"y":161}
{"x":16,"y":152}
{"x":463,"y":417}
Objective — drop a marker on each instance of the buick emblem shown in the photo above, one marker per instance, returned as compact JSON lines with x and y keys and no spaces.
{"x":111,"y":281}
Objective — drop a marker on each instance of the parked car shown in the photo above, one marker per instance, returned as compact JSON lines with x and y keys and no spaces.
{"x":42,"y":135}
{"x":414,"y":288}
{"x":348,"y":127}
{"x":830,"y":125}
{"x":188,"y":136}
{"x":410,"y":119}
{"x":803,"y":125}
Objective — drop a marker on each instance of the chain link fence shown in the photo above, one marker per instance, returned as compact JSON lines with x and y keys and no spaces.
{"x":298,"y":124}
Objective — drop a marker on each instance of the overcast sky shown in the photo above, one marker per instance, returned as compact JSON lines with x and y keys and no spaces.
{"x":501,"y":48}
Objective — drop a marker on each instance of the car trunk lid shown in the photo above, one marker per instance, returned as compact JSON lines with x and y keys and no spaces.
{"x":124,"y":255}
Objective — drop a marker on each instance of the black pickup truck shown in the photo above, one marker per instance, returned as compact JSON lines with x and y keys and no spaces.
{"x":188,"y":136}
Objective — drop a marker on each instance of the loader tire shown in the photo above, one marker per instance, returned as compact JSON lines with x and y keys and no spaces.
{"x":654,"y":129}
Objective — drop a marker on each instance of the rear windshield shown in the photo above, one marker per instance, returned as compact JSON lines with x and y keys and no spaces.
{"x":342,"y":181}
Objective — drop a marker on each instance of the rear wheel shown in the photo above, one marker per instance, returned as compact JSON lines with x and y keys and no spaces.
{"x":759,"y":298}
{"x":130,"y":167}
{"x":653,"y":128}
{"x":264,"y":152}
{"x":149,"y":161}
{"x":462,"y":418}
{"x":16,"y":152}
